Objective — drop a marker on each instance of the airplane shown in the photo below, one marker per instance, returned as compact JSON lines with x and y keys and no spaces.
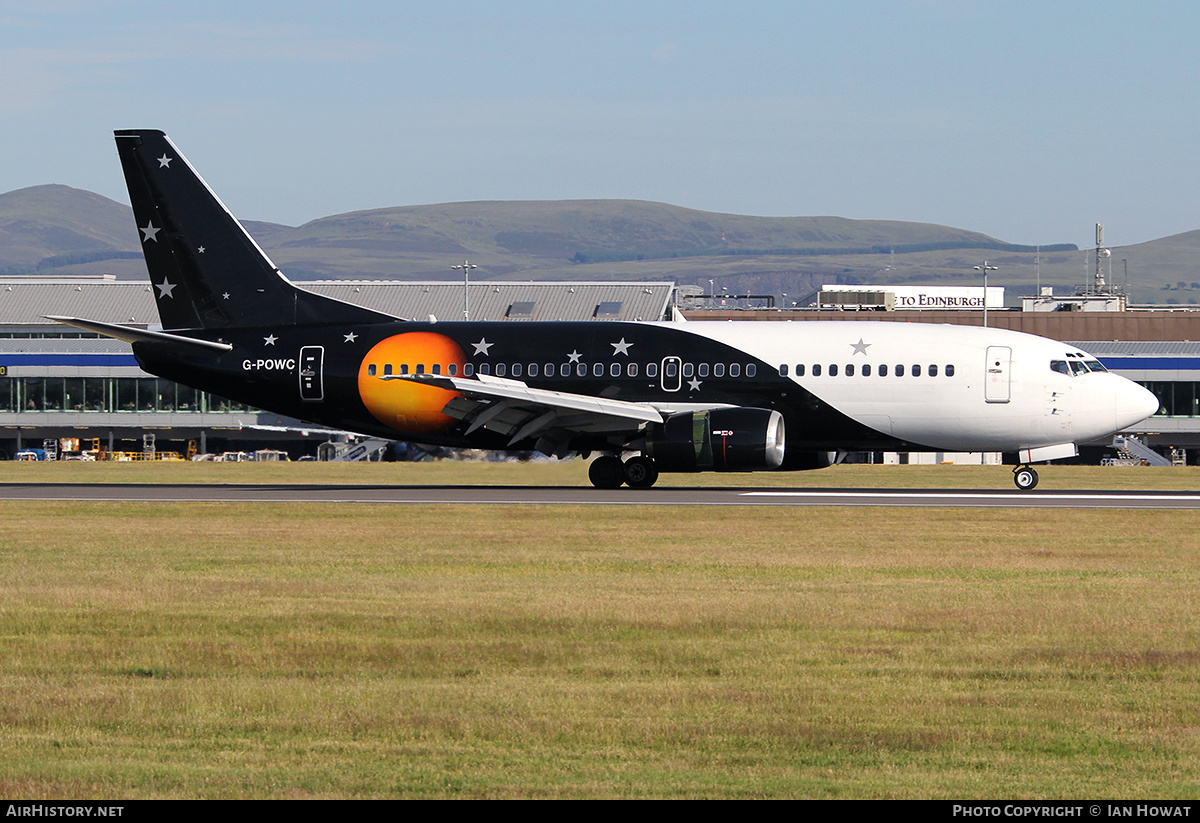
{"x":646,"y":397}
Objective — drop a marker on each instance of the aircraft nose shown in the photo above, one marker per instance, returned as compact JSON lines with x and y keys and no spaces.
{"x":1134,"y":404}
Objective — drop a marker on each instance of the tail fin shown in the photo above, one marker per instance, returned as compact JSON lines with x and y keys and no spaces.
{"x":207,"y":271}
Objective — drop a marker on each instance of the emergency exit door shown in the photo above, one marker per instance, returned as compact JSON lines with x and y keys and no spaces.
{"x":312,"y":382}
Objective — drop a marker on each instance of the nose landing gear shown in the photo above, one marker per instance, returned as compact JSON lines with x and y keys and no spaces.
{"x":1025,"y":478}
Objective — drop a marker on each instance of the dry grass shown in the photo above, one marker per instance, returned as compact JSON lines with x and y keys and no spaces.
{"x":204,"y":650}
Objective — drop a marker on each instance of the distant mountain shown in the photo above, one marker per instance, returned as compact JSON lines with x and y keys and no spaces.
{"x":58,"y":224}
{"x":58,"y":229}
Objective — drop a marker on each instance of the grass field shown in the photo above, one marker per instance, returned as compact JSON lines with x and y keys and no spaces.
{"x":295,"y":651}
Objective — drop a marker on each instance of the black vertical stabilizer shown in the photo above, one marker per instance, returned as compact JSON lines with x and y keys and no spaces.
{"x":207,"y":271}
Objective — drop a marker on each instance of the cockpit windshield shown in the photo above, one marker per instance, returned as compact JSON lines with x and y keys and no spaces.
{"x":1074,"y":368}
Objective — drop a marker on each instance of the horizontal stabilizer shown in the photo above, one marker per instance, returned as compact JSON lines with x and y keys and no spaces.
{"x":134,"y":335}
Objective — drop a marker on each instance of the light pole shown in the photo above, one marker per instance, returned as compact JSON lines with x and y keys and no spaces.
{"x":985,"y":268}
{"x":466,"y":268}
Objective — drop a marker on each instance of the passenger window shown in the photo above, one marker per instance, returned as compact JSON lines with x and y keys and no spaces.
{"x":882,"y":370}
{"x":866,"y":370}
{"x":533,"y":370}
{"x":516,"y":370}
{"x":565,"y":369}
{"x":688,"y":369}
{"x":735,"y":370}
{"x":833,"y":369}
{"x":501,"y":369}
{"x":949,"y":370}
{"x":671,"y":368}
{"x":387,"y":368}
{"x":615,"y":370}
{"x":437,"y":368}
{"x":549,"y":372}
{"x":933,"y":371}
{"x":403,"y":368}
{"x":703,"y":370}
{"x":783,"y":370}
{"x":799,"y":369}
{"x":598,"y":370}
{"x":849,"y":369}
{"x":719,"y":370}
{"x":816,"y":369}
{"x":371,"y":370}
{"x":899,"y":370}
{"x":916,"y":371}
{"x":631,"y":370}
{"x":751,"y":370}
{"x":581,"y":369}
{"x":420,"y":368}
{"x":485,"y":368}
{"x":652,"y":370}
{"x":452,"y":369}
{"x":468,"y":369}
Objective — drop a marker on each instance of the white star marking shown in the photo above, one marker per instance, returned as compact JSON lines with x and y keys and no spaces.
{"x":164,"y":162}
{"x":860,"y":347}
{"x":225,"y":296}
{"x":200,"y":250}
{"x":621,"y":347}
{"x":482,"y":347}
{"x":149,"y":232}
{"x":269,"y":340}
{"x":694,"y":384}
{"x":351,"y":337}
{"x":165,"y":288}
{"x":573,"y":357}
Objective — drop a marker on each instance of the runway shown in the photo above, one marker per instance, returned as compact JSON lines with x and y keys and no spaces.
{"x":575,"y":495}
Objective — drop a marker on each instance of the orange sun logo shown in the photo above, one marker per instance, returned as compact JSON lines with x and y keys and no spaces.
{"x":405,"y":404}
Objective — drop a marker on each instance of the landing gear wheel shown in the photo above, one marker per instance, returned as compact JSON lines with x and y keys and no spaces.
{"x":640,"y":472}
{"x":1025,"y":478}
{"x":606,"y":472}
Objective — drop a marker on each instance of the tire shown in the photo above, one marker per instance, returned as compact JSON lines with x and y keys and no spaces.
{"x":1025,"y":478}
{"x":640,"y":472}
{"x":606,"y":472}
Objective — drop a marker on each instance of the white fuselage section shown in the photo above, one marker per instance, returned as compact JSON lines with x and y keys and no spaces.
{"x":951,"y":388}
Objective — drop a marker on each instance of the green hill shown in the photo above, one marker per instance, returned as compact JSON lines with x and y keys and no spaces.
{"x":57,"y":229}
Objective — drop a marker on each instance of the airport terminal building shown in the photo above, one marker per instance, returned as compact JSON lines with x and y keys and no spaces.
{"x":60,"y":384}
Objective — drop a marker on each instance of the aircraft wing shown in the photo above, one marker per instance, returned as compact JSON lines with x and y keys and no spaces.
{"x":512,"y":408}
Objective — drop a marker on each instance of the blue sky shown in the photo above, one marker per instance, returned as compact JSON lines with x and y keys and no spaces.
{"x":1028,"y":121}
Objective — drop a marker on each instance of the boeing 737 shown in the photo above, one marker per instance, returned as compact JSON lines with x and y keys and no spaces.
{"x":646,"y":397}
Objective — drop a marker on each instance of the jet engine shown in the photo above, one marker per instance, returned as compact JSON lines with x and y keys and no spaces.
{"x":736,"y":439}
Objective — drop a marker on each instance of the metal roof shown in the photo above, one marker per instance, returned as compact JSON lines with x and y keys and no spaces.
{"x":1138,"y":348}
{"x":25,"y":301}
{"x":498,"y":300}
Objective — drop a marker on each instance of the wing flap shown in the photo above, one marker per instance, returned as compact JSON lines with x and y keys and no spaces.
{"x":512,"y":408}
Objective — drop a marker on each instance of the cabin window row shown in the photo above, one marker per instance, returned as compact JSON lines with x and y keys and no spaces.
{"x":672,"y":368}
{"x":866,"y":370}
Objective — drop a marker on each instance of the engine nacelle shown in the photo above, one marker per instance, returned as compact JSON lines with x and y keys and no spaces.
{"x":738,"y":439}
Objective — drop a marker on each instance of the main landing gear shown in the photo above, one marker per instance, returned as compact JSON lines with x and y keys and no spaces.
{"x":1025,"y":478}
{"x":608,"y":472}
